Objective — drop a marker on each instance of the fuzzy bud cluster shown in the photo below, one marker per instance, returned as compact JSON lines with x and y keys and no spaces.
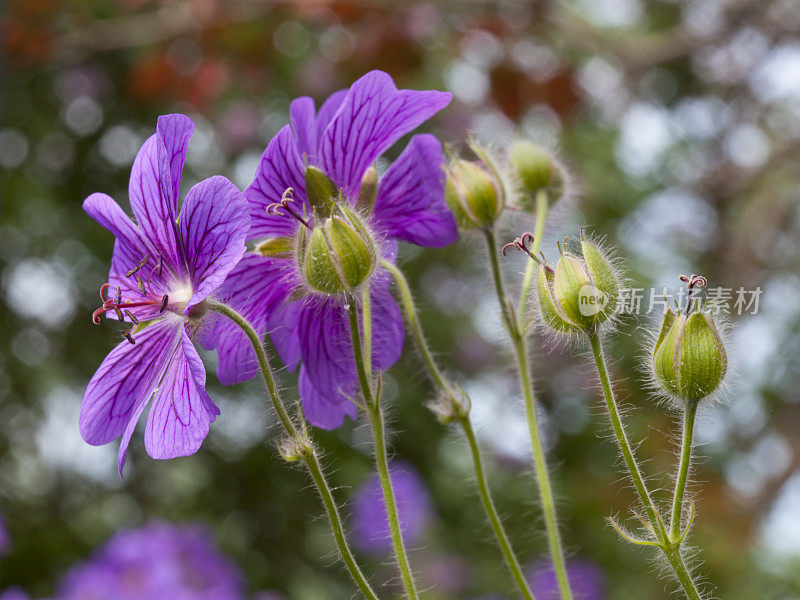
{"x":581,"y":293}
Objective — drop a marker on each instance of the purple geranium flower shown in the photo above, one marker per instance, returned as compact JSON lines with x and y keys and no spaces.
{"x":585,"y":578}
{"x":158,"y":561}
{"x":5,"y":541}
{"x":341,"y":141}
{"x":161,"y":272}
{"x":370,"y":527}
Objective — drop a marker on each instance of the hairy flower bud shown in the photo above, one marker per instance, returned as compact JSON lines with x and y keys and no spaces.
{"x":533,"y":165}
{"x":321,"y":191}
{"x":689,"y":359}
{"x":580,"y":294}
{"x":339,"y":253}
{"x":474,"y":194}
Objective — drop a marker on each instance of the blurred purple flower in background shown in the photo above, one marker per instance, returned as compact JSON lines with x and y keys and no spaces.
{"x":370,"y":527}
{"x":14,"y":593}
{"x":587,"y":580}
{"x":5,"y":541}
{"x":158,"y":561}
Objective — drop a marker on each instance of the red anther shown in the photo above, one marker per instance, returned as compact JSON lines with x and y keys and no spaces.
{"x":521,"y":244}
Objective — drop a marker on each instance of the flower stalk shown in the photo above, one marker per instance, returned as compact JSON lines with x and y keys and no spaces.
{"x":451,"y":396}
{"x":516,"y":331}
{"x":309,"y":456}
{"x":669,"y":543}
{"x":378,"y":427}
{"x":683,"y":470}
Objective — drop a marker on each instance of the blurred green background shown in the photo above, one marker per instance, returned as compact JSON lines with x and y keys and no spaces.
{"x":681,"y":124}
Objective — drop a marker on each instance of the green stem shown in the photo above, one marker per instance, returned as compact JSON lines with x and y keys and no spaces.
{"x":671,"y":549}
{"x":622,"y":440}
{"x":310,"y":458}
{"x":516,"y":333}
{"x":491,"y":512}
{"x":378,"y":427}
{"x":542,"y":205}
{"x":445,"y":387}
{"x":683,"y":470}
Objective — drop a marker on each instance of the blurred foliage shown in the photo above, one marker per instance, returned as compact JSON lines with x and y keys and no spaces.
{"x":681,"y":123}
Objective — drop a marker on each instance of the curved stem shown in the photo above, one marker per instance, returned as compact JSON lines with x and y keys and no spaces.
{"x":410,"y":309}
{"x":671,"y":549}
{"x":375,"y":413}
{"x":310,"y":458}
{"x":516,"y":333}
{"x":491,"y":512}
{"x":683,"y":471}
{"x":622,"y":440}
{"x":542,"y":205}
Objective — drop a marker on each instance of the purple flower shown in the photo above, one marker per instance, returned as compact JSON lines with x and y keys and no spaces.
{"x":370,"y":526}
{"x":5,"y":541}
{"x":586,"y":579}
{"x":159,"y":561}
{"x":162,"y":270}
{"x":14,"y":593}
{"x":271,"y":286}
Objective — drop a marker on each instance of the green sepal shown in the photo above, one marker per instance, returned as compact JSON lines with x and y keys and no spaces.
{"x":551,"y":315}
{"x":700,"y":358}
{"x":321,"y":191}
{"x":573,"y":288}
{"x":276,"y":247}
{"x":603,"y":277}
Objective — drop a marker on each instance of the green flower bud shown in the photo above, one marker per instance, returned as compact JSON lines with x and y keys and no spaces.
{"x":276,"y":247}
{"x":581,"y":294}
{"x":533,"y":165}
{"x":689,"y":360}
{"x":368,"y":192}
{"x":474,"y":194}
{"x":321,"y":192}
{"x":339,"y":254}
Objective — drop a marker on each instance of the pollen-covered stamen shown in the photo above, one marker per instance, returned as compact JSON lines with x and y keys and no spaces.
{"x":692,"y":282}
{"x":129,"y":337}
{"x":285,"y":208}
{"x":138,"y":267}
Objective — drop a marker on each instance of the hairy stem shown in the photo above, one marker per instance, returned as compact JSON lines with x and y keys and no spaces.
{"x":310,"y":458}
{"x":517,"y":335}
{"x":683,"y":471}
{"x":378,"y":426}
{"x":491,"y":512}
{"x":542,"y":204}
{"x":622,"y":440}
{"x":444,"y":386}
{"x":671,"y":550}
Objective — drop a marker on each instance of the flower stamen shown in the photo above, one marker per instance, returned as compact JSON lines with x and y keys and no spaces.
{"x":284,"y":207}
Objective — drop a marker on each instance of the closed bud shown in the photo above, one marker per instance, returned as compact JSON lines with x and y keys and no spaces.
{"x":474,"y":194}
{"x":368,"y":192}
{"x":581,"y":293}
{"x":533,"y":165}
{"x":339,"y":254}
{"x":276,"y":247}
{"x":689,"y":359}
{"x":321,"y":192}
